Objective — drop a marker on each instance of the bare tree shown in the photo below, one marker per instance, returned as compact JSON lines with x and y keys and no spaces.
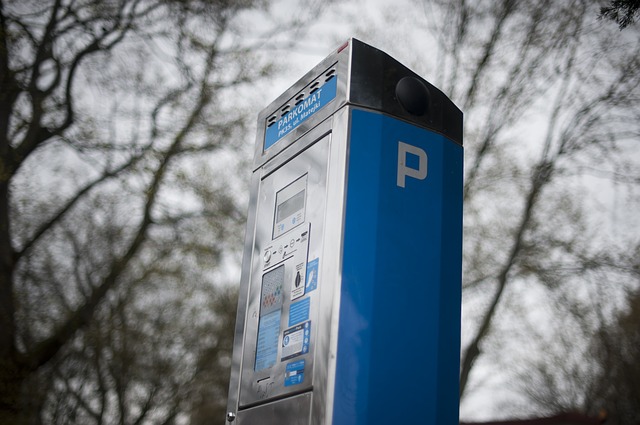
{"x":551,"y":99}
{"x":507,"y":63}
{"x":121,"y":133}
{"x":601,"y":375}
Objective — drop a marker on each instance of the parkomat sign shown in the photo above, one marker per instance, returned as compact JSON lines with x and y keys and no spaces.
{"x":300,"y":112}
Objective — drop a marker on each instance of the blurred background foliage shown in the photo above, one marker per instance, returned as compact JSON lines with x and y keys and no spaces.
{"x":126,"y":129}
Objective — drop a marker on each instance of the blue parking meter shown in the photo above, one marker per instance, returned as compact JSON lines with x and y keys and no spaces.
{"x":349,"y":304}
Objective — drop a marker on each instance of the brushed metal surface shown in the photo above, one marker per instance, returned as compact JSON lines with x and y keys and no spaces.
{"x":290,"y":411}
{"x":258,"y":386}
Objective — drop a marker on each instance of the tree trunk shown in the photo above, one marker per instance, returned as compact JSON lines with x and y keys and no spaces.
{"x":12,"y":375}
{"x":12,"y":379}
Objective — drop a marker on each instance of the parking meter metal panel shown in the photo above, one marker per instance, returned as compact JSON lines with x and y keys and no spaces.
{"x":280,"y":326}
{"x":400,"y":292}
{"x":349,"y":304}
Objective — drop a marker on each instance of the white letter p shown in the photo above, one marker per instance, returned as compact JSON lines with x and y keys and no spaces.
{"x":403,"y":170}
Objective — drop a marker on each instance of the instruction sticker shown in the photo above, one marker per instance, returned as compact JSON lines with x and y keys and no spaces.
{"x":295,"y":341}
{"x":299,"y":312}
{"x":267,"y":350}
{"x":294,"y":373}
{"x":297,"y":289}
{"x":312,"y":275}
{"x":271,"y":300}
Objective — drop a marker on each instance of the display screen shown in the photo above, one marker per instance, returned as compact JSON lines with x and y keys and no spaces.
{"x":290,"y":206}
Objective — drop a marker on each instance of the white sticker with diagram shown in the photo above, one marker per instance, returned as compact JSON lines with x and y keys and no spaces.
{"x":295,"y":341}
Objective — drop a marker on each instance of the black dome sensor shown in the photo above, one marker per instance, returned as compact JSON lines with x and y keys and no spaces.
{"x":413,"y":95}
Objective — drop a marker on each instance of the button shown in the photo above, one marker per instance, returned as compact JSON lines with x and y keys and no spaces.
{"x":267,"y":256}
{"x":292,"y":242}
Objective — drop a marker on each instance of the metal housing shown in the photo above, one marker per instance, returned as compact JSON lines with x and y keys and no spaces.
{"x":317,"y":148}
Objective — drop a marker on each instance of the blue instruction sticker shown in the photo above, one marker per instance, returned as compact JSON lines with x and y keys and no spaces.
{"x":268,"y":332}
{"x":295,"y":341}
{"x":304,"y":109}
{"x":312,"y":275}
{"x":299,"y":312}
{"x":294,"y":373}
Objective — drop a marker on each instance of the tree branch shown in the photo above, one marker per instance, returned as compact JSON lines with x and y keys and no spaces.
{"x":541,"y":176}
{"x":37,"y":132}
{"x":509,"y":99}
{"x":47,"y":349}
{"x":507,"y":7}
{"x":44,"y":227}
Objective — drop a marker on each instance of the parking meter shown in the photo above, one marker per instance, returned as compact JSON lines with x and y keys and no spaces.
{"x":349,"y":303}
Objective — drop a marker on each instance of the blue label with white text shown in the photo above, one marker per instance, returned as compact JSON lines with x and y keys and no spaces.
{"x":294,"y":373}
{"x":299,"y":312}
{"x":312,"y":275}
{"x":301,"y":112}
